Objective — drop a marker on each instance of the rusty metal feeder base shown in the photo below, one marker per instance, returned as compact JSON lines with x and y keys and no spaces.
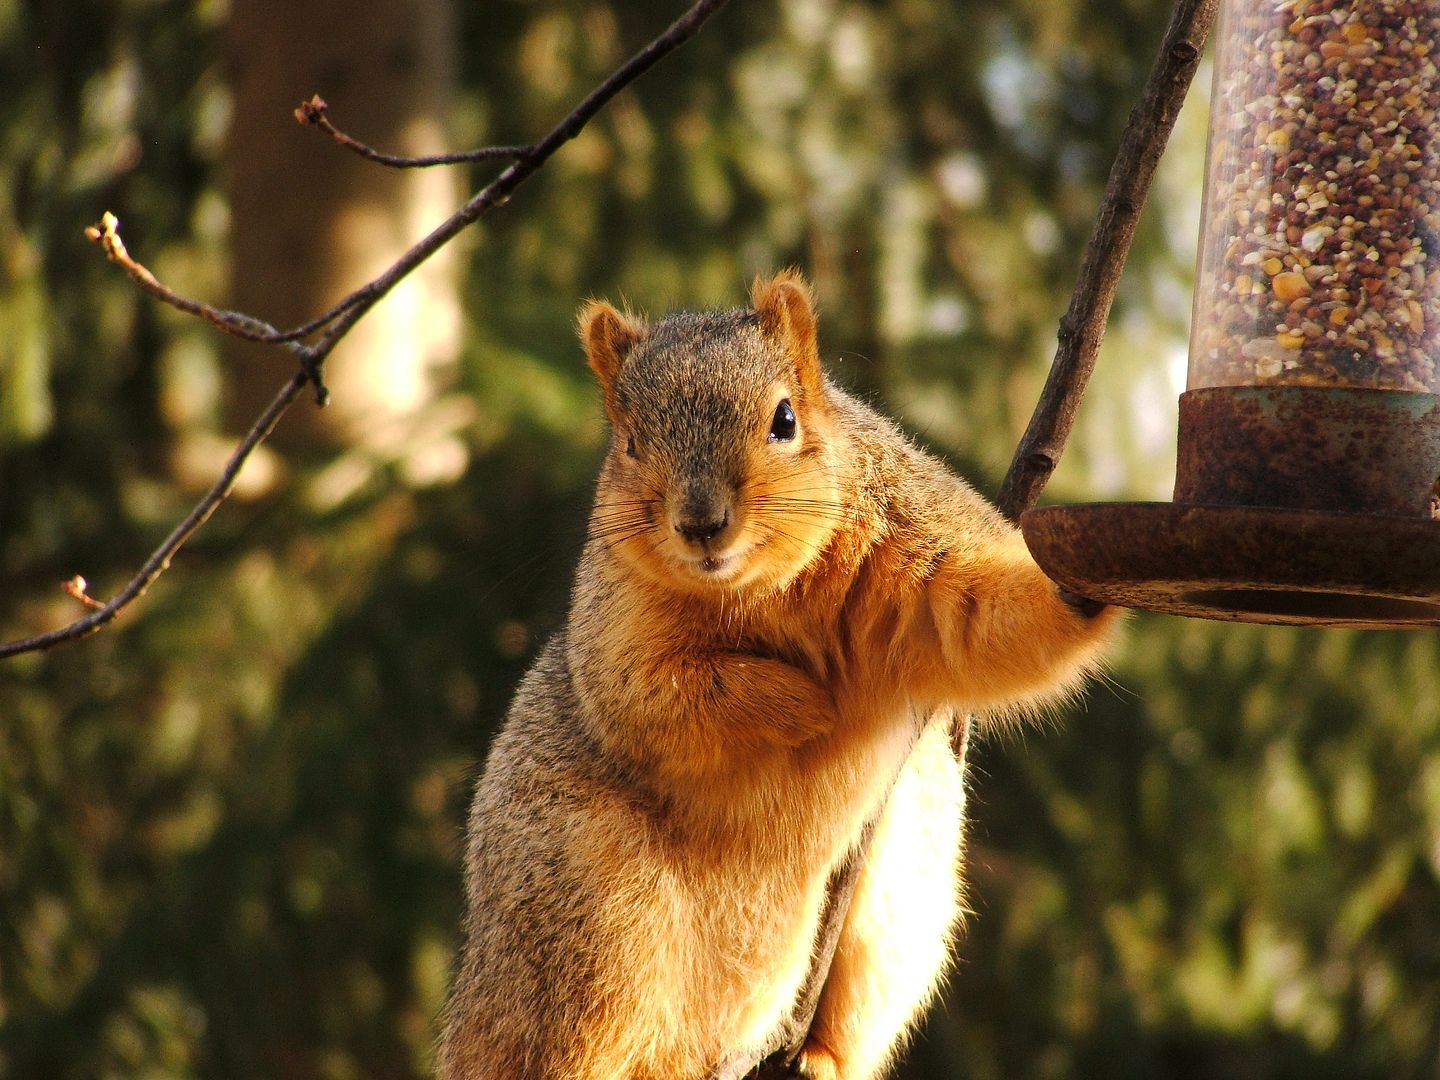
{"x":1246,"y":564}
{"x":1308,"y":506}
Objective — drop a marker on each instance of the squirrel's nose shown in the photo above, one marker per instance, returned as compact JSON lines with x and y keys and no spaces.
{"x":701,"y":531}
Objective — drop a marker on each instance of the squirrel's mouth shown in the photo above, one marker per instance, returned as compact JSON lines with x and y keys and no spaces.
{"x":715,"y":566}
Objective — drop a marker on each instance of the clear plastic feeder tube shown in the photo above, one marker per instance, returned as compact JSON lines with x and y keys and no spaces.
{"x":1320,"y":238}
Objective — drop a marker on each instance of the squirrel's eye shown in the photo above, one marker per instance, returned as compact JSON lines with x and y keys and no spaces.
{"x":630,"y":445}
{"x":782,"y":427}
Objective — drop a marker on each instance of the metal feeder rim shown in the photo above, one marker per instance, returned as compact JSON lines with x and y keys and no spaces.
{"x":1245,"y":564}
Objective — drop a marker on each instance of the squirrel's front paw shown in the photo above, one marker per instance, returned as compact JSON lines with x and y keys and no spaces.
{"x":817,"y":1063}
{"x":1082,"y":605}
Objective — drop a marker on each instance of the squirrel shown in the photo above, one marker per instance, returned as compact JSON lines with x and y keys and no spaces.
{"x":779,"y":608}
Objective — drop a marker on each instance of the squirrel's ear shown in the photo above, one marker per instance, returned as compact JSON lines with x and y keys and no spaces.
{"x":787,"y":313}
{"x":608,"y":337}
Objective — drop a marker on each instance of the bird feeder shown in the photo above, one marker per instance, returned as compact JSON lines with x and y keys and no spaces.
{"x":1308,"y":478}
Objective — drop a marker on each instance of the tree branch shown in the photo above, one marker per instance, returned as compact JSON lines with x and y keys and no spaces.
{"x":334,"y":324}
{"x":159,"y":561}
{"x":314,"y":113}
{"x":107,"y":235}
{"x":1081,"y":331}
{"x":1083,"y":326}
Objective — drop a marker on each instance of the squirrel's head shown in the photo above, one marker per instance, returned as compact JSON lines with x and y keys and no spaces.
{"x":723,"y":470}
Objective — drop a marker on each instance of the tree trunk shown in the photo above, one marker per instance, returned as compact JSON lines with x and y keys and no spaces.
{"x":311,"y":221}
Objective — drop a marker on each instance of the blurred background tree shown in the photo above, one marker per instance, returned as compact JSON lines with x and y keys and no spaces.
{"x":230,"y":825}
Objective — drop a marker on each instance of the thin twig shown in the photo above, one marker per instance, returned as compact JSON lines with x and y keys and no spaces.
{"x":1082,"y":328}
{"x":236,"y":323}
{"x":107,"y":235}
{"x":159,"y":561}
{"x":1081,"y":331}
{"x":336,"y":322}
{"x":313,"y":113}
{"x":499,"y":190}
{"x":339,"y":319}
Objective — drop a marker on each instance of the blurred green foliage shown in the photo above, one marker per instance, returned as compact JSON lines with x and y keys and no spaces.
{"x":230,"y":825}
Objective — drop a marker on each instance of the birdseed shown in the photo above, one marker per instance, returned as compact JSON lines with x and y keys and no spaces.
{"x":1322,"y":219}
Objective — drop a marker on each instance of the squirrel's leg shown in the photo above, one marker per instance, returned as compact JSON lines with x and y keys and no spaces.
{"x":1004,"y":633}
{"x":555,"y":983}
{"x":895,"y":942}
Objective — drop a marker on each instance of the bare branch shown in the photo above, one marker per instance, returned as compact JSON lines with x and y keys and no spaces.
{"x":313,"y":113}
{"x":336,"y":322}
{"x":235,"y":323}
{"x":159,"y":561}
{"x":1083,"y":326}
{"x":107,"y":235}
{"x":499,"y":190}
